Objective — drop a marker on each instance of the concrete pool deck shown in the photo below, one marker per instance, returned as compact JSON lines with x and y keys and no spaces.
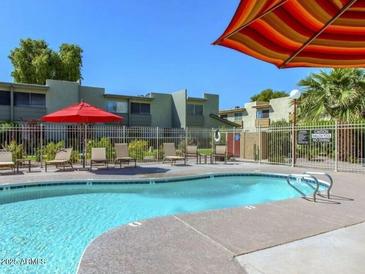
{"x":339,"y":251}
{"x":213,"y":241}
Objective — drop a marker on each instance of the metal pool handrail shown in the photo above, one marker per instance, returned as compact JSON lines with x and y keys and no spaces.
{"x":325,"y":174}
{"x":302,"y":175}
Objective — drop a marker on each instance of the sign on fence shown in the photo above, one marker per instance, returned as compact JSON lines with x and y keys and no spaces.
{"x":321,"y":136}
{"x":303,"y":137}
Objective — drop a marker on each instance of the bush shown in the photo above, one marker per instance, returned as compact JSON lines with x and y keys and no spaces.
{"x":49,"y":151}
{"x":15,"y":149}
{"x":75,"y":156}
{"x":138,"y":149}
{"x":5,"y":126}
{"x":156,"y":153}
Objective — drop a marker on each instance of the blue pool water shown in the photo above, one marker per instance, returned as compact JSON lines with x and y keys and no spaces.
{"x":54,"y":224}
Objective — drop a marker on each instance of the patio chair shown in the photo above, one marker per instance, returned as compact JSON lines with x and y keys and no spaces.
{"x":122,"y":155}
{"x":169,"y":152}
{"x":63,"y":158}
{"x":220,"y":152}
{"x":98,"y":155}
{"x":6,"y":160}
{"x":192,"y":151}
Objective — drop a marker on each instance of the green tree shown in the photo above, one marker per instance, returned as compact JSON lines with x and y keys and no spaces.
{"x":335,"y":94}
{"x":70,"y":62}
{"x":34,"y":62}
{"x":267,"y":94}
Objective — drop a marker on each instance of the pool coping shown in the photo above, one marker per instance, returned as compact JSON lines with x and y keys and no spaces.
{"x":152,"y":180}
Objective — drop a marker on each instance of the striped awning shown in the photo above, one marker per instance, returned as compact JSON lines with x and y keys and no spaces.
{"x":299,"y":33}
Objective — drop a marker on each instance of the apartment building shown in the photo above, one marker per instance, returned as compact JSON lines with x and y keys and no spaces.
{"x":259,"y":114}
{"x":27,"y":102}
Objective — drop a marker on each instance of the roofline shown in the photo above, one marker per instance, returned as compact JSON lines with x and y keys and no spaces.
{"x":262,"y":106}
{"x":225,"y":121}
{"x":197,"y":99}
{"x":25,"y":85}
{"x":233,"y":110}
{"x":120,"y":96}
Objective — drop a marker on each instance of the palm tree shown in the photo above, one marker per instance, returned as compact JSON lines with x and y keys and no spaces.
{"x":334,"y":94}
{"x":337,"y":94}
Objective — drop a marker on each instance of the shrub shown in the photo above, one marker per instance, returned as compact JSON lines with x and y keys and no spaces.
{"x":15,"y":149}
{"x":75,"y":156}
{"x":5,"y":126}
{"x":138,"y":149}
{"x":156,"y":153}
{"x":49,"y":151}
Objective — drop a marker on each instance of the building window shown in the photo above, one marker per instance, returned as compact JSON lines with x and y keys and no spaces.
{"x":224,"y":116}
{"x":37,"y":99}
{"x":195,"y":110}
{"x":238,"y":116}
{"x":29,"y":99}
{"x":140,"y":108}
{"x":4,"y":98}
{"x":262,"y":113}
{"x":117,"y":107}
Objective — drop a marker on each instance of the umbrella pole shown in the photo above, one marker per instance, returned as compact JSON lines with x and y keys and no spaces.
{"x":85,"y":144}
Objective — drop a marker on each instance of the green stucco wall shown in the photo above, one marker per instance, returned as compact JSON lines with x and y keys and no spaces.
{"x":161,"y":110}
{"x":179,"y":108}
{"x":93,"y":96}
{"x":61,"y":94}
{"x":211,"y":106}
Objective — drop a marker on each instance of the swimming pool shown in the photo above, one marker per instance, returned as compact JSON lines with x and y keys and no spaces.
{"x":53,"y":224}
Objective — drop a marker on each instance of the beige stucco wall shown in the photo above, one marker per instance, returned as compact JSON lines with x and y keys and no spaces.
{"x":253,"y":145}
{"x":281,"y":107}
{"x":249,"y":117}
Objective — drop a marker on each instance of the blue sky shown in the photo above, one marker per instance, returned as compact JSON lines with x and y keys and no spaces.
{"x":138,"y":46}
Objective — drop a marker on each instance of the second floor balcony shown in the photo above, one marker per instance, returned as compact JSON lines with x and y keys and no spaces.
{"x":194,"y":120}
{"x":262,"y":122}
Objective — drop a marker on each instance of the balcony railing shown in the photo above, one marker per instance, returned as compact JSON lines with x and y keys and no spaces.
{"x":262,"y":122}
{"x":195,"y":120}
{"x":140,"y":120}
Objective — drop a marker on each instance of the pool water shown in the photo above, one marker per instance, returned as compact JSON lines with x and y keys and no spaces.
{"x":54,"y":224}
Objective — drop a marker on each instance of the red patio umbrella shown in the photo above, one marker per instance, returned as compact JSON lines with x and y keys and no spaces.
{"x":81,"y":113}
{"x":299,"y":33}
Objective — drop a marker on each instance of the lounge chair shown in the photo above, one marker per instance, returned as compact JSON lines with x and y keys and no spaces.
{"x":169,"y":153}
{"x":98,"y":155}
{"x":192,"y":151}
{"x":122,"y":155}
{"x":6,"y":160}
{"x":220,"y":152}
{"x":63,"y":158}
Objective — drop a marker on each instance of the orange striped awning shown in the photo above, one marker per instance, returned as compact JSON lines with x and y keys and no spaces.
{"x":299,"y":33}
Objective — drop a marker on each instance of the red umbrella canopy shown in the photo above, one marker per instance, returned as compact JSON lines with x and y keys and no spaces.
{"x":299,"y":33}
{"x":81,"y":113}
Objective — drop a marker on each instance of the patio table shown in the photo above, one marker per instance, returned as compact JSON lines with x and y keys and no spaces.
{"x":205,"y":156}
{"x":23,"y":162}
